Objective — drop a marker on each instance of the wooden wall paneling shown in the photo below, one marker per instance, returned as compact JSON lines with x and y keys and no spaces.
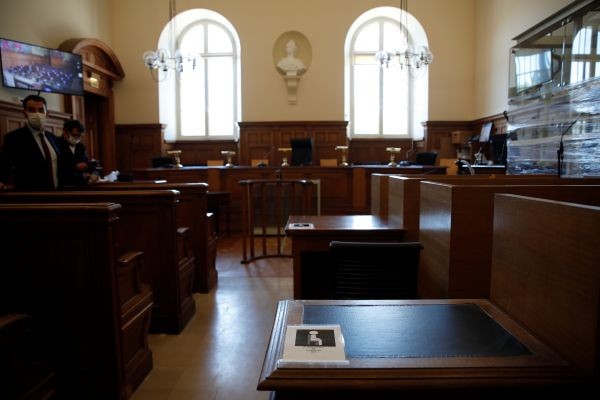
{"x":197,"y":152}
{"x":137,"y":143}
{"x":545,"y":273}
{"x":372,"y":151}
{"x":258,"y":139}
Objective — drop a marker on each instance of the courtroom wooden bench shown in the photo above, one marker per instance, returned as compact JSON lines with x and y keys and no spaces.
{"x":191,"y":212}
{"x":404,"y":193}
{"x":456,"y":232}
{"x":546,"y":272}
{"x":23,"y":372}
{"x":61,"y":265}
{"x":148,"y":224}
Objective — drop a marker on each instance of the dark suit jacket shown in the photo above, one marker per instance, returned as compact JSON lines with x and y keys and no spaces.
{"x":22,"y":159}
{"x":72,"y":176}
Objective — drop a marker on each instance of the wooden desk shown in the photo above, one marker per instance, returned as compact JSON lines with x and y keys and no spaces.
{"x":310,"y":247}
{"x":421,"y":362}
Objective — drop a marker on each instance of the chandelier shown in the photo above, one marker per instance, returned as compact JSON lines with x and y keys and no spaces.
{"x":407,"y":57}
{"x":161,"y":59}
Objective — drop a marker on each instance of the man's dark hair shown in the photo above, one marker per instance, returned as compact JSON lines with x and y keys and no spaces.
{"x":34,"y":97}
{"x":73,"y":124}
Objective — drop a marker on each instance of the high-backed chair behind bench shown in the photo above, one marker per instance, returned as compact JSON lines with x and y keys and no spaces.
{"x":366,"y":270}
{"x":426,"y":158}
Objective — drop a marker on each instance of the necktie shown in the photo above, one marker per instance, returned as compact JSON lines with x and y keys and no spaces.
{"x":49,"y":169}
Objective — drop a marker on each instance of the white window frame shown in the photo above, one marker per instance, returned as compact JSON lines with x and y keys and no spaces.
{"x":169,"y":96}
{"x":418,"y":87}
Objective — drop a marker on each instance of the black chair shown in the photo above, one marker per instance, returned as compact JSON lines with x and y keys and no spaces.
{"x":426,"y":158}
{"x":364,"y":270}
{"x":301,"y":151}
{"x":163,"y":162}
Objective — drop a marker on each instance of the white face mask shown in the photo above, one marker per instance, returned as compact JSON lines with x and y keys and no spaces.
{"x":73,"y":141}
{"x":36,"y":120}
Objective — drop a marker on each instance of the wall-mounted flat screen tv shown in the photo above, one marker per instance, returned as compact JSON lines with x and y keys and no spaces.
{"x":31,"y":67}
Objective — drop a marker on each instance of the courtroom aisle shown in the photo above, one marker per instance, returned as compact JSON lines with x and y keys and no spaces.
{"x":219,"y":354}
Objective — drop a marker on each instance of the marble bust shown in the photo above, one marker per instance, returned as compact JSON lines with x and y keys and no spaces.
{"x":290,"y":64}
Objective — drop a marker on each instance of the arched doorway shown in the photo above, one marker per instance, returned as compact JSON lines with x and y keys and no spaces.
{"x":96,"y":108}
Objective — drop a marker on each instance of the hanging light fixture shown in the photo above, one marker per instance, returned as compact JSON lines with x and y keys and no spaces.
{"x":161,"y":59}
{"x":406,"y":57}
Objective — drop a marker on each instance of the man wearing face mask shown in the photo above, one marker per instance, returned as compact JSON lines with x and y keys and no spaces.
{"x":77,"y":167}
{"x":30,"y":154}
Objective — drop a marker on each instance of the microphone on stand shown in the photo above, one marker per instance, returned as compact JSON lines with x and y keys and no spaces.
{"x":561,"y":148}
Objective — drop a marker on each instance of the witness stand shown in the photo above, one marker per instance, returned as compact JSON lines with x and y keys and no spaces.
{"x":266,"y":205}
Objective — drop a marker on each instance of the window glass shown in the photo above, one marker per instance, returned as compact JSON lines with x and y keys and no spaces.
{"x":219,"y":40}
{"x":220,"y":96}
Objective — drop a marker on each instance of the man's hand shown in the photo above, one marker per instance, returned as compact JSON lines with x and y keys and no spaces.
{"x":82,"y":166}
{"x":2,"y":186}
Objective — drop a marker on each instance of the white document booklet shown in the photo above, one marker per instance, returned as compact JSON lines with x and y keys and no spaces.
{"x":314,"y":344}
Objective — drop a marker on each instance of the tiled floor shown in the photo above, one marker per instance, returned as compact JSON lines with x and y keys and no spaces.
{"x":219,"y":354}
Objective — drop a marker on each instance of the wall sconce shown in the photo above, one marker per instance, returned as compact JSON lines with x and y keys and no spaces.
{"x":94,"y":80}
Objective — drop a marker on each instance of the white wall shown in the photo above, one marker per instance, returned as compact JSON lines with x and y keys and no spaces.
{"x":469,"y":38}
{"x":137,"y":25}
{"x":497,"y":22}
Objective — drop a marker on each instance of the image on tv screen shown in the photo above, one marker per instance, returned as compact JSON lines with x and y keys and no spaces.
{"x":31,"y":67}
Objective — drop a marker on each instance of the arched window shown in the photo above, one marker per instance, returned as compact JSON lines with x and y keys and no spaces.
{"x":203,"y":100}
{"x":389,"y":100}
{"x":585,"y":60}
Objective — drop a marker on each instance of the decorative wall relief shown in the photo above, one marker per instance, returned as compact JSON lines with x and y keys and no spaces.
{"x":292,"y":55}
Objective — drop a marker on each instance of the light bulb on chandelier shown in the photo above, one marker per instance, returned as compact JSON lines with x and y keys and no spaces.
{"x":160,"y":62}
{"x":405,"y":58}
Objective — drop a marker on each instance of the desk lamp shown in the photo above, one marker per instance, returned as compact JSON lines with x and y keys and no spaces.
{"x":344,"y":150}
{"x":285,"y":151}
{"x":393,"y":151}
{"x":176,"y":154}
{"x":229,"y":155}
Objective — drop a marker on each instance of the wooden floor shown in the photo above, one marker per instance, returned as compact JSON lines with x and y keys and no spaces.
{"x":219,"y":354}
